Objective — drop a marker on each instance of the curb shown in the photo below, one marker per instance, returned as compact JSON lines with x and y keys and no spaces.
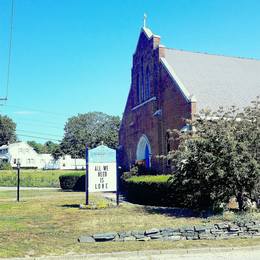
{"x":137,"y":254}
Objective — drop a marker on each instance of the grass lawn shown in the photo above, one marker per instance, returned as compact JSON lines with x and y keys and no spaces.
{"x":49,"y":223}
{"x":34,"y":178}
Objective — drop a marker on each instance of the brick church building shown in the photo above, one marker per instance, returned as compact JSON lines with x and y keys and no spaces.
{"x":169,"y":86}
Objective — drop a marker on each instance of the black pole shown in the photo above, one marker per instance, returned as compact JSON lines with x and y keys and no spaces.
{"x":86,"y":181}
{"x":18,"y":182}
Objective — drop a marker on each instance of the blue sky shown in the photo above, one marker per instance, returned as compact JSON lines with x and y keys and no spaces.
{"x":74,"y":56}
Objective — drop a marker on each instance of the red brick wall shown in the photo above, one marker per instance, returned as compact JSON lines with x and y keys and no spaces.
{"x":140,"y":120}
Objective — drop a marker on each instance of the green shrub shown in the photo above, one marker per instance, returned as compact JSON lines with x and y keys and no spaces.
{"x":5,"y":166}
{"x":74,"y":181}
{"x":149,"y":190}
{"x":34,"y":178}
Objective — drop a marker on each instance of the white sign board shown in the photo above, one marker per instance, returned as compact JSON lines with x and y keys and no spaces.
{"x":102,"y":177}
{"x":102,"y":169}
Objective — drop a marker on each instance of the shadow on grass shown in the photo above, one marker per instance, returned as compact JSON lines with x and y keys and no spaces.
{"x":176,"y":212}
{"x":70,"y":206}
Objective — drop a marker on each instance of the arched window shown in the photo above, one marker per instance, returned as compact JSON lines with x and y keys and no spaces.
{"x":147,"y":83}
{"x":138,"y":88}
{"x":142,"y":84}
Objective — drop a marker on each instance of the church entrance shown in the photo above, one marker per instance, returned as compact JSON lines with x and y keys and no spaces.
{"x":143,"y":151}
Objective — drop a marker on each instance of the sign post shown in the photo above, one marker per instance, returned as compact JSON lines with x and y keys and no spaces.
{"x":101,"y":171}
{"x":18,"y":181}
{"x":86,"y":178}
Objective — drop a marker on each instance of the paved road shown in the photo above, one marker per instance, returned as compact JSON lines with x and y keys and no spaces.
{"x":252,"y":253}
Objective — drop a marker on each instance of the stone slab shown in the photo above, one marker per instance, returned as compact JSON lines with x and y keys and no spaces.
{"x":131,"y":238}
{"x":86,"y":239}
{"x":152,"y":231}
{"x":104,"y":236}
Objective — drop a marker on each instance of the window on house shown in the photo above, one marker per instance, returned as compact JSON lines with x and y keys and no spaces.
{"x":155,"y":80}
{"x":14,"y":160}
{"x":147,"y":83}
{"x":142,"y":80}
{"x":138,"y":89}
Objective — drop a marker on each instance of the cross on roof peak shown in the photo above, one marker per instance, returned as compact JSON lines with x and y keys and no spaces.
{"x":145,"y":18}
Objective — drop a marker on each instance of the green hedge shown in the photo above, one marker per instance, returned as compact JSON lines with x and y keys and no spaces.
{"x":34,"y":178}
{"x":74,"y":181}
{"x":149,"y":190}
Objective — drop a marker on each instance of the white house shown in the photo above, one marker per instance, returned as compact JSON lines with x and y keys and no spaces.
{"x":67,"y":163}
{"x":29,"y":158}
{"x":47,"y":162}
{"x":25,"y":153}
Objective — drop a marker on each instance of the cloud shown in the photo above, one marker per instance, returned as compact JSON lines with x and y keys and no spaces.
{"x":25,"y":112}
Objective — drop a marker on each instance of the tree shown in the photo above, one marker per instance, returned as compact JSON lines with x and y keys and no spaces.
{"x":48,"y":147}
{"x":57,"y":152}
{"x":89,"y":129}
{"x":39,"y":148}
{"x":219,"y":160}
{"x":7,"y":130}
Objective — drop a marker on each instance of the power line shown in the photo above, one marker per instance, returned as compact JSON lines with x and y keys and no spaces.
{"x":30,"y":121}
{"x":9,"y":52}
{"x":53,"y":113}
{"x":45,"y":123}
{"x":39,"y":133}
{"x":36,"y":124}
{"x":10,"y":49}
{"x":40,"y":137}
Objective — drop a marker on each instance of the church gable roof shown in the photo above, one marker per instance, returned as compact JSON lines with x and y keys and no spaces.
{"x":214,"y":80}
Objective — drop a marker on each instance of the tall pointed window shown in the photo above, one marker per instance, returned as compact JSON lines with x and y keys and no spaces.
{"x":139,"y":89}
{"x":142,"y":80}
{"x":147,"y":83}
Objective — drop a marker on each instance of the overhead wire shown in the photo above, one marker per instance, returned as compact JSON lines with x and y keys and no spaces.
{"x":44,"y":123}
{"x":9,"y":51}
{"x":40,"y":137}
{"x":39,"y":133}
{"x":7,"y":91}
{"x":54,"y":113}
{"x":39,"y":125}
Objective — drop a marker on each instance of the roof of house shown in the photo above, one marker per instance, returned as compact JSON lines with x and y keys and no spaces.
{"x":215,"y":80}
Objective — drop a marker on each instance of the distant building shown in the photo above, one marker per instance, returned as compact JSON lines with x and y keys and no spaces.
{"x":29,"y":158}
{"x":169,"y":86}
{"x":68,"y":163}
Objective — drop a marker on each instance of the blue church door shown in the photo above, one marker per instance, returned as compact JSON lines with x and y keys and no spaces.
{"x":147,"y":157}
